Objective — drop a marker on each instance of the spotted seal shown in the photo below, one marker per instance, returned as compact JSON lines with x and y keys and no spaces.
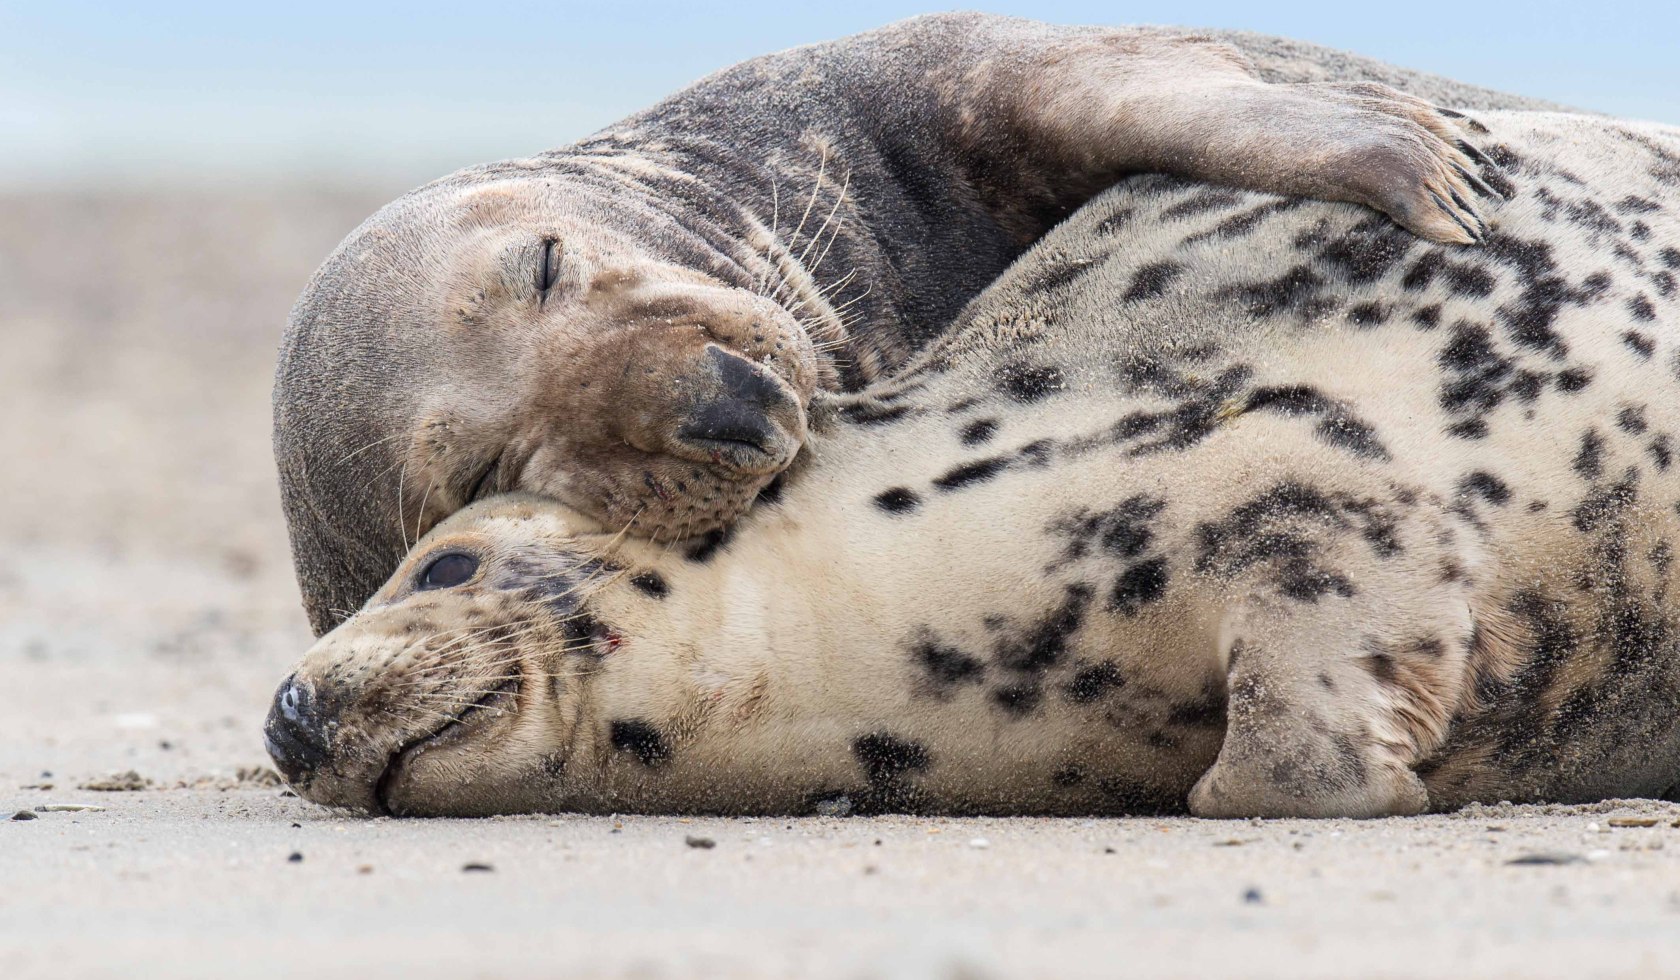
{"x":635,"y":324}
{"x":1217,"y":500}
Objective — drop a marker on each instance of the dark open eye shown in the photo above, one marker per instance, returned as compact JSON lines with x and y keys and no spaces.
{"x":447,"y":571}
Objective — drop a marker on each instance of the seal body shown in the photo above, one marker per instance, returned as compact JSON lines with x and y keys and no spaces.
{"x":635,"y":324}
{"x":1215,"y":500}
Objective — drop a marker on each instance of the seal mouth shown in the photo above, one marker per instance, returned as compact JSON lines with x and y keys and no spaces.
{"x":502,"y":697}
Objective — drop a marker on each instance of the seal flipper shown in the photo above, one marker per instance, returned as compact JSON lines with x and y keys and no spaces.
{"x":1337,"y":686}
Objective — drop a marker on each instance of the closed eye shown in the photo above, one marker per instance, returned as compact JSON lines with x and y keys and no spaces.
{"x":485,"y":481}
{"x":548,"y":267}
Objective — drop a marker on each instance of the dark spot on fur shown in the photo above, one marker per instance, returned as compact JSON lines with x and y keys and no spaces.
{"x":1151,"y":280}
{"x":1093,"y":681}
{"x":1641,"y":308}
{"x":1018,"y":699}
{"x":1345,"y":431}
{"x":1061,"y":276}
{"x":1067,"y":777}
{"x":978,"y":431}
{"x":1661,"y":556}
{"x":1429,"y":317}
{"x":1123,"y":531}
{"x":1462,"y":279}
{"x":1037,"y":453}
{"x":708,"y":545}
{"x":1140,"y":585}
{"x":1368,"y":315}
{"x":1602,"y":503}
{"x":1300,"y":290}
{"x":1485,"y":485}
{"x":1205,"y":199}
{"x":651,"y":583}
{"x":1639,"y":343}
{"x":873,"y":414}
{"x":1288,"y":399}
{"x":1381,"y":667}
{"x":1275,"y":530}
{"x":886,"y":760}
{"x":1043,"y":645}
{"x":897,"y":500}
{"x":945,"y":666}
{"x":1662,"y":452}
{"x":641,"y":739}
{"x":1573,"y":379}
{"x":969,"y":474}
{"x":1028,"y":383}
{"x":1631,"y":419}
{"x":1589,"y":459}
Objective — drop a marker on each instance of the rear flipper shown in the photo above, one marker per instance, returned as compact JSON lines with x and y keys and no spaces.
{"x":1343,"y":673}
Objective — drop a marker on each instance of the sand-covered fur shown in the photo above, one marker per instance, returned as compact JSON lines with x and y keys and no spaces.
{"x":1244,"y":503}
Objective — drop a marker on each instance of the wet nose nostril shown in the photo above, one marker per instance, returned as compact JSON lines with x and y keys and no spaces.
{"x":295,"y":732}
{"x":747,"y":419}
{"x":742,"y":380}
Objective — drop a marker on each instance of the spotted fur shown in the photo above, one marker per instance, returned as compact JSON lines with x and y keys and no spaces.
{"x":1325,"y":521}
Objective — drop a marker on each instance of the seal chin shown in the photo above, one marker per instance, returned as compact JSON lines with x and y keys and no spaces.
{"x":408,"y":760}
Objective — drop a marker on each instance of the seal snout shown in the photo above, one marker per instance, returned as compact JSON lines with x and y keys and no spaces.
{"x":749,"y":420}
{"x":295,"y":732}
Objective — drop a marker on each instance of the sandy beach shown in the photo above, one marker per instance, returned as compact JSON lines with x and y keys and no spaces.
{"x":147,"y":610}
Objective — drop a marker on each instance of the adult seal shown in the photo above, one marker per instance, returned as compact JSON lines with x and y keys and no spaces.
{"x":634,"y":324}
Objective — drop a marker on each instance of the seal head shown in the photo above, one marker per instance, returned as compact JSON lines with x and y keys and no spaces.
{"x":640,"y":378}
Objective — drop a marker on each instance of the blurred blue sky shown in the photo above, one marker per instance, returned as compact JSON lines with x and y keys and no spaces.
{"x":189,"y":92}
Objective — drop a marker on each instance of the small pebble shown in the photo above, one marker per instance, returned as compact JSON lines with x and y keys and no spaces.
{"x":835,"y":806}
{"x":1109,"y":850}
{"x":703,"y":843}
{"x":1633,"y":821}
{"x":1253,"y":897}
{"x":69,"y":808}
{"x":476,"y":866}
{"x":296,"y":857}
{"x":980,"y":843}
{"x":364,"y":869}
{"x":24,"y":815}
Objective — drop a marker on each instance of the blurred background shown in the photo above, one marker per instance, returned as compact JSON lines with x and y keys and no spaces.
{"x":394,"y":93}
{"x":171,"y":172}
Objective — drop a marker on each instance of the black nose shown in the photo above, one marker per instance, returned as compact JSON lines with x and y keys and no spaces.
{"x":295,"y":732}
{"x":740,"y":416}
